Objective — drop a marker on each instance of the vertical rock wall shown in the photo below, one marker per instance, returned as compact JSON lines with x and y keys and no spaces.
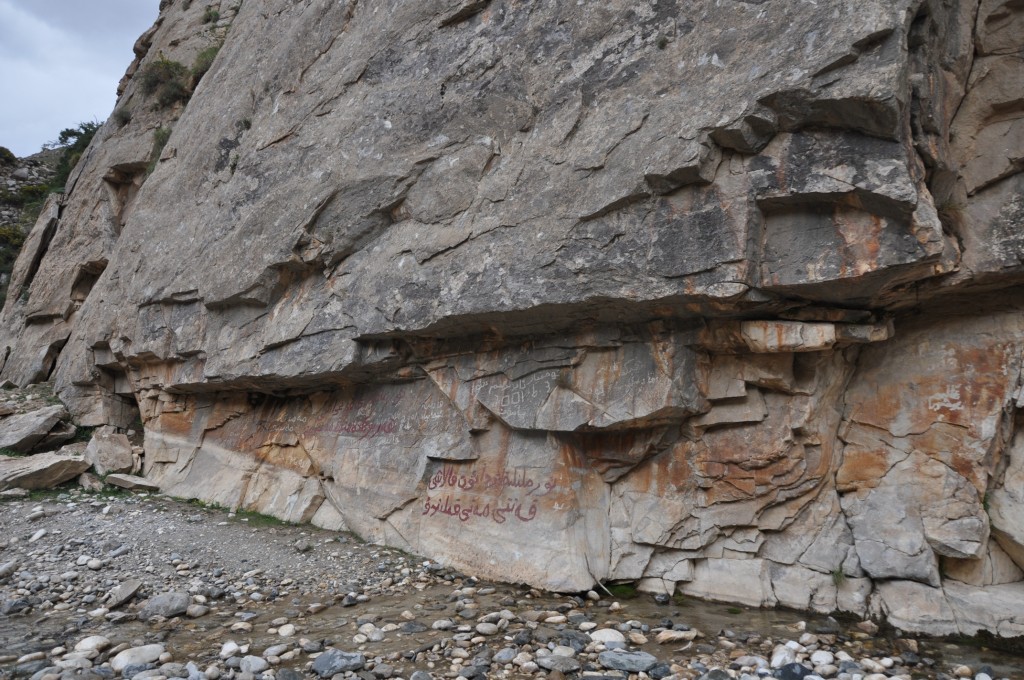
{"x":722,"y":297}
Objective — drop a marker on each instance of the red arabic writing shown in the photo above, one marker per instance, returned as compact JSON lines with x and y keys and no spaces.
{"x":498,"y":511}
{"x":483,"y":480}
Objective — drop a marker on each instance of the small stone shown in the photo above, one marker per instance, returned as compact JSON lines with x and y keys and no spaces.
{"x":607,"y":635}
{"x":631,"y":662}
{"x":487,"y":628}
{"x":781,"y":656}
{"x":93,"y":643}
{"x":166,"y":605}
{"x":667,"y":636}
{"x":253,"y":664}
{"x":822,"y":658}
{"x":287,"y":630}
{"x":334,"y":661}
{"x":873,"y":666}
{"x":751,"y":661}
{"x":194,"y":611}
{"x":383,"y":670}
{"x":557,"y":662}
{"x":504,"y":655}
{"x":716,"y":674}
{"x":869,"y":627}
{"x":793,"y":671}
{"x":134,"y":656}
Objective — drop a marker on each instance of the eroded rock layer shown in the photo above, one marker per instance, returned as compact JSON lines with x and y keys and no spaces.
{"x":724,"y":297}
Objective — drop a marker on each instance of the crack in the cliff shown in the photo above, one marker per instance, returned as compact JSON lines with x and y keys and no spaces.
{"x":970,"y":68}
{"x":346,"y":19}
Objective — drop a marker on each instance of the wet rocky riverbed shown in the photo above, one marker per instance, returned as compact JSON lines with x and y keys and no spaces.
{"x":96,"y":586}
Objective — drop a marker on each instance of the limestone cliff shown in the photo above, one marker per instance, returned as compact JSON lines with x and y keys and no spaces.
{"x":719,"y":295}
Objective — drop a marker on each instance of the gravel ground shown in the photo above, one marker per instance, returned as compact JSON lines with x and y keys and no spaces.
{"x":101,"y":585}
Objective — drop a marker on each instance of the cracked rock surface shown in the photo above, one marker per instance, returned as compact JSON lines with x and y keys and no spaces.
{"x":716,"y":297}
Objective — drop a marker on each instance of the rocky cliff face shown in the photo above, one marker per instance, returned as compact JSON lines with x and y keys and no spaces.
{"x":719,"y":296}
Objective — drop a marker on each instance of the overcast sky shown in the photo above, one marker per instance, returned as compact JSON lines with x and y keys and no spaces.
{"x":60,"y":62}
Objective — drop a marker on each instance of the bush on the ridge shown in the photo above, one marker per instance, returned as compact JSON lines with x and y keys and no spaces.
{"x":166,"y":79}
{"x":203,"y":62}
{"x":73,"y":142}
{"x":160,"y":137}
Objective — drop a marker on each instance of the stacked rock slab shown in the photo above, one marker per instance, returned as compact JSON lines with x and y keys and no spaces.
{"x":724,"y":297}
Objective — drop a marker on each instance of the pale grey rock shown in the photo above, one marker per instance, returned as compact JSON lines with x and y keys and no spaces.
{"x":822,"y":658}
{"x":166,"y":605}
{"x":622,"y":660}
{"x":334,"y":661}
{"x":40,"y":471}
{"x":557,"y":662}
{"x":253,"y":664}
{"x":607,"y":635}
{"x":121,"y":593}
{"x":92,"y":643}
{"x":27,"y":431}
{"x":782,"y":655}
{"x":136,"y":655}
{"x":752,"y":661}
{"x":915,"y":606}
{"x":131,"y":482}
{"x":109,"y":452}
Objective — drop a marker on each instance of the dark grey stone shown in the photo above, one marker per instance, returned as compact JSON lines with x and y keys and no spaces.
{"x":335,"y":661}
{"x":564,"y":664}
{"x":631,"y":662}
{"x":165,"y":605}
{"x":793,"y":671}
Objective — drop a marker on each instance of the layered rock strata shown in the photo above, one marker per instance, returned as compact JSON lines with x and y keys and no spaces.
{"x":723,"y":297}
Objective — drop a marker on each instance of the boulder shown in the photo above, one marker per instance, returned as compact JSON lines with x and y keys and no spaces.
{"x":40,"y":471}
{"x":109,"y":452}
{"x":25,"y":432}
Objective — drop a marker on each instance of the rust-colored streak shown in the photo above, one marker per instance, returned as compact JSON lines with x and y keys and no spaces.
{"x":861,"y":468}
